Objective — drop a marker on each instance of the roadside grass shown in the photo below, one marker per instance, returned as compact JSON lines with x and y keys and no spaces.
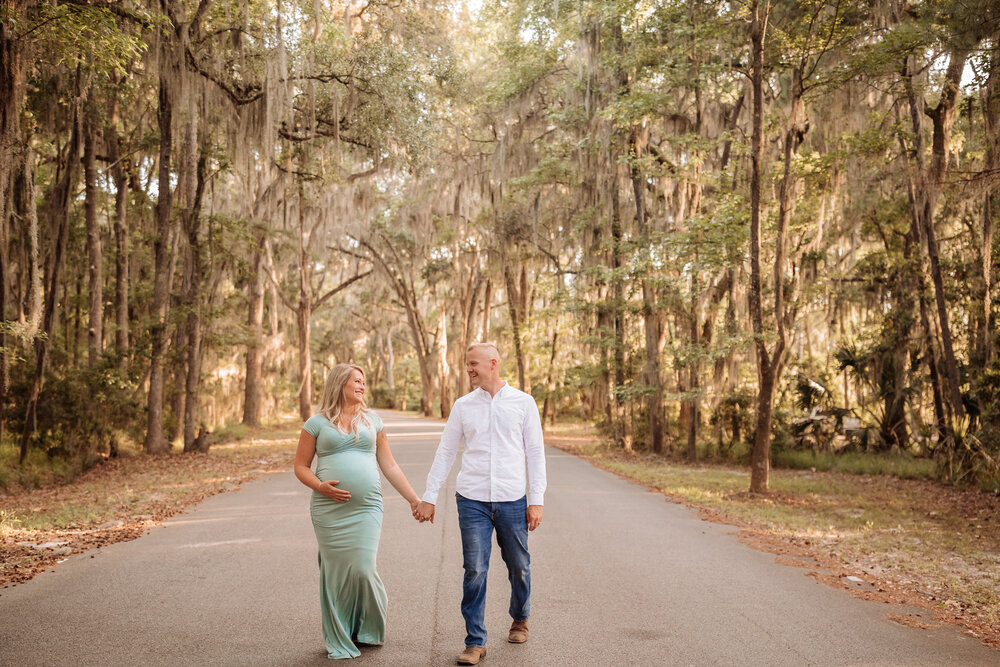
{"x":939,"y":542}
{"x":230,"y":432}
{"x":39,"y":468}
{"x":901,"y":465}
{"x":120,"y":498}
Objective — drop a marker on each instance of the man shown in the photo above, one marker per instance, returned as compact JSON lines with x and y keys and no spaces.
{"x":502,"y":433}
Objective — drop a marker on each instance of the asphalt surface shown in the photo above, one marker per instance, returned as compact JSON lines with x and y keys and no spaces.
{"x":619,"y":576}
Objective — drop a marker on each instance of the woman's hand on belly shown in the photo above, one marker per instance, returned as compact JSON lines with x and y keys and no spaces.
{"x":330,"y":490}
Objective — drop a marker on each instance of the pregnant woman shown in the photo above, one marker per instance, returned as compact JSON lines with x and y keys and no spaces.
{"x":346,"y":509}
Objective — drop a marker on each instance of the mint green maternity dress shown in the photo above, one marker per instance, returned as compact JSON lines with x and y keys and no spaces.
{"x":352,"y":596}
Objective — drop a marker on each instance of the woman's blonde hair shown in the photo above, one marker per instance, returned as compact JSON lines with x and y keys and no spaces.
{"x":333,"y":398}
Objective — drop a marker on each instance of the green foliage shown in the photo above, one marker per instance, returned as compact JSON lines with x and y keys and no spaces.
{"x":809,"y":394}
{"x":406,"y":393}
{"x":733,"y":417}
{"x":83,"y":413}
{"x":463,"y":143}
{"x":70,"y":34}
{"x":38,"y":470}
{"x":970,"y":456}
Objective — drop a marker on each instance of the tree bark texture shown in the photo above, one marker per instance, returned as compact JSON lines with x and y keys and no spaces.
{"x":253,"y":390}
{"x":484,"y":329}
{"x":760,"y":460}
{"x":303,"y":318}
{"x":442,"y":360}
{"x":193,"y":298}
{"x":59,"y":214}
{"x":303,"y":315}
{"x":515,"y":324}
{"x":620,"y":428}
{"x":991,"y":122}
{"x":694,"y":370}
{"x":13,"y":62}
{"x":28,"y":209}
{"x":652,"y":317}
{"x":121,"y":235}
{"x":915,"y":236}
{"x":95,"y":261}
{"x":155,"y":442}
{"x":467,"y":305}
{"x":929,"y":181}
{"x":548,"y":405}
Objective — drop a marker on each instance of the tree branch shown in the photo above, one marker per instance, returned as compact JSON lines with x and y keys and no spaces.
{"x":238,"y":98}
{"x":269,"y":272}
{"x":340,"y":287}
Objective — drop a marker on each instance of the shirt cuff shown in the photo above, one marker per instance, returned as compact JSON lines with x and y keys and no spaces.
{"x":429,"y":497}
{"x":535,"y":498}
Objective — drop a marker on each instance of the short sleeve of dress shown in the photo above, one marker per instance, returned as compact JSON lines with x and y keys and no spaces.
{"x":314,"y":425}
{"x":376,"y":421}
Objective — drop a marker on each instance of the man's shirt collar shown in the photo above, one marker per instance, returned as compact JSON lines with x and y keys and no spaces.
{"x":485,"y":394}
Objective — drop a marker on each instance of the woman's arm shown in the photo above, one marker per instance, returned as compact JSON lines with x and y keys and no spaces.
{"x":303,"y":470}
{"x":392,"y":471}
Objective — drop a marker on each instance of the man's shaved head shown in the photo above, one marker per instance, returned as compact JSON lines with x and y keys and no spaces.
{"x":482,"y":364}
{"x":489,"y":349}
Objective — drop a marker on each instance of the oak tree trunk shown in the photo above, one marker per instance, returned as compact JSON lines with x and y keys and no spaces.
{"x":484,"y":330}
{"x":515,"y":323}
{"x":548,"y":405}
{"x":694,"y":370}
{"x":59,"y":215}
{"x":442,"y":359}
{"x":760,"y":458}
{"x":303,"y":316}
{"x":253,"y":390}
{"x":192,"y":403}
{"x":121,"y":235}
{"x":991,"y":123}
{"x":652,"y":317}
{"x":155,"y":442}
{"x":95,"y":310}
{"x":620,"y":428}
{"x":929,"y":181}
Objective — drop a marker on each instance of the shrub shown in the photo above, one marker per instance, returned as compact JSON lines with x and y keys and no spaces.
{"x":82,"y":412}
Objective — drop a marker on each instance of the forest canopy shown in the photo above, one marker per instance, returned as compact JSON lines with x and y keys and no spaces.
{"x":712,"y":228}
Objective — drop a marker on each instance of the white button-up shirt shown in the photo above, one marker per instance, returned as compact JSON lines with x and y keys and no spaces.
{"x":503,"y":436}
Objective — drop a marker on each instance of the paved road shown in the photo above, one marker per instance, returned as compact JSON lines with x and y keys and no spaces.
{"x":619,"y":576}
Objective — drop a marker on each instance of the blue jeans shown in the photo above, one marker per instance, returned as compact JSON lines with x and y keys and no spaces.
{"x":477,"y":520}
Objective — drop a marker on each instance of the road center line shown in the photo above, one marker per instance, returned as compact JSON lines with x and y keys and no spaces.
{"x":199,"y":545}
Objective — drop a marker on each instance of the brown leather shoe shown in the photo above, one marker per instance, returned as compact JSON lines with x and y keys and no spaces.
{"x":472,"y":655}
{"x":518,"y":632}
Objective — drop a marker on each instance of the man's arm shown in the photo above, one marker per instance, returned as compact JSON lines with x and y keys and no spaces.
{"x":534,"y":453}
{"x":444,"y":459}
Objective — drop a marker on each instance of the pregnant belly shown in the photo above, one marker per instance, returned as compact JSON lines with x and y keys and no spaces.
{"x":357,"y":473}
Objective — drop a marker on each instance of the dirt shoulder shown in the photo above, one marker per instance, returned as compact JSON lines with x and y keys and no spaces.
{"x":918,"y":543}
{"x":121,"y":499}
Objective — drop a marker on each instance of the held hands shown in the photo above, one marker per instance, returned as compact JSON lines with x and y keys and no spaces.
{"x":330,"y":490}
{"x":414,"y":504}
{"x":423,"y":511}
{"x":534,"y":516}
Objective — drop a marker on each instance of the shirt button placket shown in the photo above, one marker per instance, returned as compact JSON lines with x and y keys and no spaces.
{"x":493,"y":493}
